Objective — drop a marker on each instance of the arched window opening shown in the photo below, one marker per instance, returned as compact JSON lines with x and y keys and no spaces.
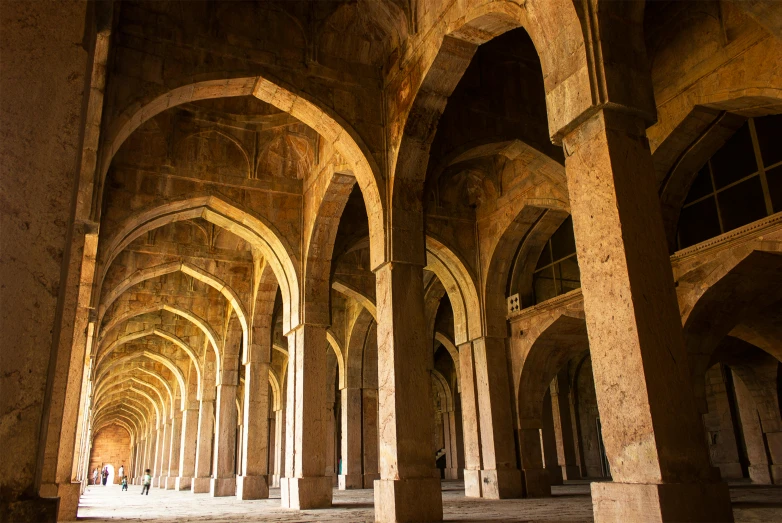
{"x":557,"y":269}
{"x":740,"y":183}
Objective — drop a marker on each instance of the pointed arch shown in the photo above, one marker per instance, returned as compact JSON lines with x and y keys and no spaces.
{"x":351,"y":292}
{"x":159,"y":358}
{"x":173,"y":338}
{"x":321,"y":119}
{"x":355,"y":349}
{"x":189,"y":315}
{"x":339,"y":352}
{"x":454,"y":352}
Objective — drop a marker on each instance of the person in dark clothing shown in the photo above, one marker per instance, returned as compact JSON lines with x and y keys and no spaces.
{"x":105,"y":475}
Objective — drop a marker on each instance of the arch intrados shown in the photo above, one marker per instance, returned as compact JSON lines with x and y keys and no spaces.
{"x":326,"y":123}
{"x":355,"y":348}
{"x":119,"y":422}
{"x":119,"y":412}
{"x":351,"y":292}
{"x":108,"y":384}
{"x":123,"y":422}
{"x":449,"y":346}
{"x":460,"y":285}
{"x":191,"y":270}
{"x":339,"y":352}
{"x":166,"y":386}
{"x":563,"y":338}
{"x":173,"y":338}
{"x":276,"y":390}
{"x":113,"y":391}
{"x":199,"y":322}
{"x":445,"y":389}
{"x":132,"y":403}
{"x":159,"y":358}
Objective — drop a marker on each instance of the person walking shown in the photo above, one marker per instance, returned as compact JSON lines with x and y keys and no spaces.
{"x":124,"y":483}
{"x":147,"y":482}
{"x":105,"y":475}
{"x":95,"y":476}
{"x":121,"y":472}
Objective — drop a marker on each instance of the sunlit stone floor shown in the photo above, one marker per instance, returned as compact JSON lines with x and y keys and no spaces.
{"x":568,"y":503}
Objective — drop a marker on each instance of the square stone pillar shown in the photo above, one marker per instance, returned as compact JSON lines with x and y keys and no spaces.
{"x":202,"y":478}
{"x":187,"y":449}
{"x":223,"y":481}
{"x":161,"y":469}
{"x":173,"y":452}
{"x":549,"y":442}
{"x":279,"y":446}
{"x":154,"y":454}
{"x":253,"y":482}
{"x":499,"y":476}
{"x":563,"y":428}
{"x":409,"y":488}
{"x":350,"y":476}
{"x":651,"y":428}
{"x":470,"y":422}
{"x":454,"y":467}
{"x":536,"y":481}
{"x":305,"y":485}
{"x":370,"y":437}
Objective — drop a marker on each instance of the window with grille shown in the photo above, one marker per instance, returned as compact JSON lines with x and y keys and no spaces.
{"x":740,"y":183}
{"x":557,"y":269}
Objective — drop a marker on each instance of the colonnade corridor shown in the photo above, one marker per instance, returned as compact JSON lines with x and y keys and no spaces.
{"x":391,"y":260}
{"x":569,"y":503}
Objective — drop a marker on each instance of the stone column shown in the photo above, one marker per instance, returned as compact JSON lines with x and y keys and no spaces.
{"x":370,"y":437}
{"x":156,"y":450}
{"x":351,"y":476}
{"x":202,"y":479}
{"x":223,"y":477}
{"x":759,"y":470}
{"x":453,"y":457}
{"x":165,"y":447}
{"x":272,"y":461}
{"x":187,"y":449}
{"x":537,"y":483}
{"x":471,"y":423}
{"x":173,"y":451}
{"x":651,"y":428}
{"x":305,"y":485}
{"x":499,"y":476}
{"x":563,"y":429}
{"x":549,"y":443}
{"x":279,"y":446}
{"x":253,"y":481}
{"x":409,"y":488}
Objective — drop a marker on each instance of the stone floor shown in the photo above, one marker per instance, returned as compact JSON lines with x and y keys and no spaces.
{"x":568,"y":503}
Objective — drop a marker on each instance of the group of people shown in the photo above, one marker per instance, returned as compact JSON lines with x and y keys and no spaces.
{"x":96,"y":476}
{"x":123,"y":479}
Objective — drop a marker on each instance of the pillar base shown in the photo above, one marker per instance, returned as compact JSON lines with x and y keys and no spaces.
{"x":369,"y":480}
{"x":252,"y":487}
{"x":502,"y":484}
{"x":472,"y":483}
{"x":201,"y":485}
{"x":182,"y":483}
{"x":276,"y":481}
{"x":776,"y":474}
{"x":667,"y":502}
{"x":402,"y":500}
{"x":760,"y":474}
{"x":350,"y":481}
{"x":730,"y":471}
{"x":306,"y":493}
{"x":453,"y":474}
{"x":170,"y":483}
{"x":69,"y":494}
{"x":570,"y":472}
{"x":555,"y":475}
{"x":222,"y":487}
{"x":155,"y":481}
{"x":536,"y":483}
